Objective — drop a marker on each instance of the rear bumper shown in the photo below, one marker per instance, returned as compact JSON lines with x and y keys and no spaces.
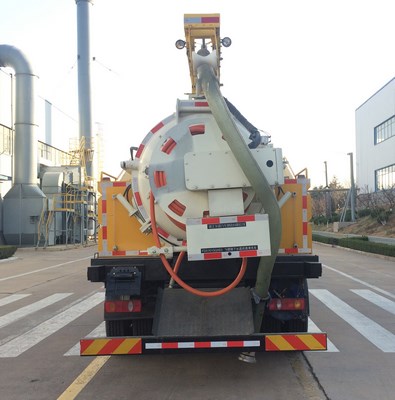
{"x":286,"y":266}
{"x":160,"y":345}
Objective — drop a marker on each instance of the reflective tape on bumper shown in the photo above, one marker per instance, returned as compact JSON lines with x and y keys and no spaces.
{"x":110,"y":346}
{"x":151,"y":344}
{"x":294,"y":342}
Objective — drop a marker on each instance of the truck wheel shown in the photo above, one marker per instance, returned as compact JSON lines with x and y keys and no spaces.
{"x":296,"y":325}
{"x":117,"y":328}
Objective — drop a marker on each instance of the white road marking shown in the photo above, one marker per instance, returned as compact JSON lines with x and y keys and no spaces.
{"x":29,"y":339}
{"x":313,"y":328}
{"x":44,"y":269}
{"x":13,"y":297}
{"x":380,"y":301}
{"x":377,"y":289}
{"x":31,"y":308}
{"x":99,"y":331}
{"x":375,"y":333}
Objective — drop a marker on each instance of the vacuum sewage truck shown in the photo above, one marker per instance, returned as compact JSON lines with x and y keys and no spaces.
{"x":204,"y":240}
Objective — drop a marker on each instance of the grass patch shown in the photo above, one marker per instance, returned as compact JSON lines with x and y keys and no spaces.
{"x":7,"y":251}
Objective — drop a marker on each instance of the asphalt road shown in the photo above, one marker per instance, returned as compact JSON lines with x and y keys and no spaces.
{"x":47,"y":305}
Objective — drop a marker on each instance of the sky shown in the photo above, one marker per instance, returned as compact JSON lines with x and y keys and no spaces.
{"x":296,"y":69}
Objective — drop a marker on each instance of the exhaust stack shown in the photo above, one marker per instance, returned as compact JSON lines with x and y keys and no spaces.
{"x":24,"y":202}
{"x":84,"y":81}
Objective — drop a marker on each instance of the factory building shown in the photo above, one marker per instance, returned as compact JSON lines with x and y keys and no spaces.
{"x":68,"y":210}
{"x":375,"y":140}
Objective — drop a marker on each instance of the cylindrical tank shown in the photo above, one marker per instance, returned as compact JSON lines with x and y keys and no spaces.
{"x":180,"y":161}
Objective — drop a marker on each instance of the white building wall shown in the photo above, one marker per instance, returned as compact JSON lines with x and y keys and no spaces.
{"x":370,"y":157}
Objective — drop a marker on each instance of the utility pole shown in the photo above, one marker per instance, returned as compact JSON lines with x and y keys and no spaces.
{"x":326,"y":175}
{"x":327,"y":193}
{"x":352,"y":188}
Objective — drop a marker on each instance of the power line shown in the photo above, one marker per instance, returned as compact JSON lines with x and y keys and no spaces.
{"x":106,"y":67}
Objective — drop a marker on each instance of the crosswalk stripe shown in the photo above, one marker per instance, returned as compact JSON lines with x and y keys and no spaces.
{"x":375,"y":333}
{"x":31,"y":308}
{"x":20,"y":344}
{"x":377,"y":289}
{"x":313,"y":328}
{"x":13,"y":297}
{"x":376,"y":299}
{"x":99,"y":331}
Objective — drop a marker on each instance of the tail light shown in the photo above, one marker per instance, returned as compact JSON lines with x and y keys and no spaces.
{"x":287,"y":304}
{"x":122,"y":306}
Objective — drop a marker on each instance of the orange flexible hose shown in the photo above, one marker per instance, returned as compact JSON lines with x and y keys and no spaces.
{"x":173,"y":273}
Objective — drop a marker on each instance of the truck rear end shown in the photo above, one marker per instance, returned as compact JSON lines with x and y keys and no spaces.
{"x":205,"y":242}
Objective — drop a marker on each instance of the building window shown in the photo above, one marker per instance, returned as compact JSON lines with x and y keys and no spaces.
{"x":385,"y":178}
{"x":384,"y":131}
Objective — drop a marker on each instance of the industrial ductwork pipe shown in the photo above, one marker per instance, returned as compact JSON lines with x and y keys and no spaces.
{"x":23,"y":204}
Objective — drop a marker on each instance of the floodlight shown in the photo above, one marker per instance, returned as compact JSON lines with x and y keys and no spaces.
{"x":180,"y":44}
{"x":226,"y":41}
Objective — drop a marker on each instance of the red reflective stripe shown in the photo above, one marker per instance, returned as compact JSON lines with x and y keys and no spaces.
{"x":245,"y":218}
{"x":119,"y":253}
{"x":293,"y":250}
{"x":304,"y":202}
{"x":212,"y":256}
{"x":104,"y":232}
{"x":290,"y":181}
{"x":139,"y":151}
{"x":210,"y":220}
{"x":138,"y":198}
{"x":119,"y":184}
{"x":163,"y":233}
{"x":201,"y":104}
{"x":202,"y":345}
{"x":104,"y":206}
{"x":305,"y":224}
{"x":157,"y":127}
{"x":170,"y":345}
{"x":248,"y":253}
{"x":235,"y":343}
